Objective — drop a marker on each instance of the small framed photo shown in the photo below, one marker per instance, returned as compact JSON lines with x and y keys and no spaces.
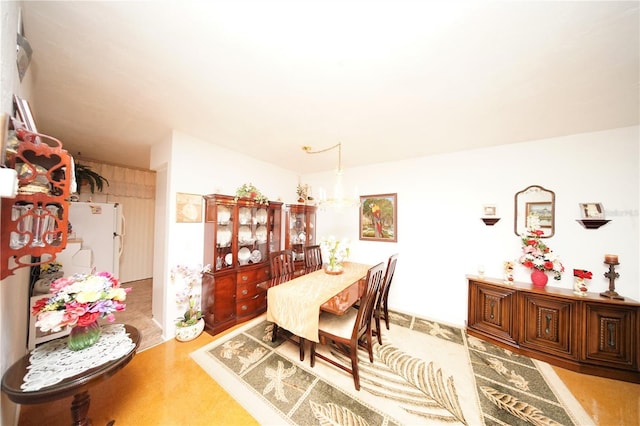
{"x":188,"y":208}
{"x":489,"y":210}
{"x":379,"y":217}
{"x":23,"y":112}
{"x":592,"y":210}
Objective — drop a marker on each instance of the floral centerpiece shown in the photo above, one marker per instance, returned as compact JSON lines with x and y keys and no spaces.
{"x":537,"y":255}
{"x":78,"y":301}
{"x":186,"y":280}
{"x":249,"y":191}
{"x":336,"y":251}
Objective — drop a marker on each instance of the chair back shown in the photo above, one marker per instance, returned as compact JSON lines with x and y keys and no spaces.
{"x":386,"y":283}
{"x":282,"y":263}
{"x":312,"y":258}
{"x":368,"y":300}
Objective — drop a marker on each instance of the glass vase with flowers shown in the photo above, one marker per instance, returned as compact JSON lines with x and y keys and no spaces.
{"x":538,"y":257}
{"x":78,"y":302}
{"x":335,"y":252}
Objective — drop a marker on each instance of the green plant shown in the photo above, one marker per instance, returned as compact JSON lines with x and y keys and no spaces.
{"x":249,"y":191}
{"x":84,"y":174}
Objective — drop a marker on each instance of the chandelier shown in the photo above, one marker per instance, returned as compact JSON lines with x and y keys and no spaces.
{"x":338,"y":201}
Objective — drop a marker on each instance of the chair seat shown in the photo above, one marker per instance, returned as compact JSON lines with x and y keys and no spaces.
{"x":338,"y":325}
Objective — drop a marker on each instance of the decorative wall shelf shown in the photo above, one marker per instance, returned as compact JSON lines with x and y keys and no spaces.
{"x":34,"y":223}
{"x":593,"y":223}
{"x":490,"y":221}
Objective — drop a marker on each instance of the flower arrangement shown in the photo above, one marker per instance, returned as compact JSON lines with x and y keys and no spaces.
{"x":249,"y":191}
{"x":537,"y":255}
{"x":80,"y":300}
{"x":302,"y":192}
{"x":337,"y":251}
{"x":187,"y":280}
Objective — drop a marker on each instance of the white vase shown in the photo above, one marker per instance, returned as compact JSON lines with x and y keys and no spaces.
{"x":190,"y":332}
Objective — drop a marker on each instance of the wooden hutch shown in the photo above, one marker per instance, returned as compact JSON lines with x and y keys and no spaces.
{"x":239,"y":235}
{"x":590,"y":334}
{"x":300,"y":230}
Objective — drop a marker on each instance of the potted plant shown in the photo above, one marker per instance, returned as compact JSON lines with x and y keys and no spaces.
{"x":186,"y":280}
{"x":85,"y":175}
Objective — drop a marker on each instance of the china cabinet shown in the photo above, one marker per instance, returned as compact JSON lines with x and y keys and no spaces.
{"x":300,"y":231}
{"x":589,"y":334}
{"x":239,"y":235}
{"x":34,"y":223}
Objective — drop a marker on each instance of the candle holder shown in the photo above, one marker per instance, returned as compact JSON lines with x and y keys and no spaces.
{"x":612,"y":275}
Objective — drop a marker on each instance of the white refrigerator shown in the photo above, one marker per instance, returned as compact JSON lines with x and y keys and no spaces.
{"x":100,"y":226}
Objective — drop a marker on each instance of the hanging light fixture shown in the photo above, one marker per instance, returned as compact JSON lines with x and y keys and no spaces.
{"x":338,"y":201}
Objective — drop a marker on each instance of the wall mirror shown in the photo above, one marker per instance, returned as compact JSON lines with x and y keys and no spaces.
{"x":538,"y":204}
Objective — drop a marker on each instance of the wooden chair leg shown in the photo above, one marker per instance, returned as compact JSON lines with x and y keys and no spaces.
{"x":386,"y":316}
{"x":301,"y":348}
{"x":312,"y":349}
{"x":378,"y":329}
{"x":274,"y":332}
{"x":354,"y":369}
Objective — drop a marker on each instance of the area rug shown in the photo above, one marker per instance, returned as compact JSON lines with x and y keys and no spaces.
{"x":425,"y":372}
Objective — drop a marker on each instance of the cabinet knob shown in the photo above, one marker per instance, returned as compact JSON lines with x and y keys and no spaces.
{"x":244,"y":292}
{"x":244,"y":278}
{"x":244,"y":307}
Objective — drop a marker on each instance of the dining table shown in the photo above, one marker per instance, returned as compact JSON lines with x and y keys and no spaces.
{"x":296,"y":304}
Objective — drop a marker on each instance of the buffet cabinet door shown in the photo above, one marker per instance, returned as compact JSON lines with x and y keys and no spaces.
{"x":609,"y":335}
{"x":491,"y":311}
{"x":546,"y":324}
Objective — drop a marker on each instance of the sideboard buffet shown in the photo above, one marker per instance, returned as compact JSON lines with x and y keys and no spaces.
{"x":239,"y":235}
{"x":590,"y":334}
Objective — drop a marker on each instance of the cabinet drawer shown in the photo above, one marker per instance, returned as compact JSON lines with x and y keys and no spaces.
{"x":547,"y":324}
{"x":249,"y":307}
{"x":253,"y":275}
{"x":610,"y":337}
{"x":247,"y":291}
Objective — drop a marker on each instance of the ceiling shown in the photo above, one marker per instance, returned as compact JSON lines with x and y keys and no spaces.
{"x":391,"y":80}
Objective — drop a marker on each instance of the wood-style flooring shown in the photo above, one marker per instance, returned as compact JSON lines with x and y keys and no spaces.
{"x":163,"y":386}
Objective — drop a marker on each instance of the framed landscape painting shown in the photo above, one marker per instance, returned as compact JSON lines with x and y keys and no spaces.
{"x":379,"y":217}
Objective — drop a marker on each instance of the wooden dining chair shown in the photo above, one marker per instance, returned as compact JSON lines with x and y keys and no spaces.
{"x":381,"y":309}
{"x":347,"y":330}
{"x":282,"y":263}
{"x":282,"y":270}
{"x":312,"y":258}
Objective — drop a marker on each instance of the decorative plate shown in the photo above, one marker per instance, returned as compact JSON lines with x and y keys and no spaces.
{"x":228,"y":259}
{"x":244,"y":235}
{"x":261,"y":216}
{"x":244,"y":216}
{"x":244,"y":254}
{"x":223,"y":214}
{"x":261,"y":234}
{"x":223,"y":236}
{"x":256,"y":256}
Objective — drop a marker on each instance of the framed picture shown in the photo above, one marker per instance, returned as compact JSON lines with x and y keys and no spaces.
{"x":379,"y":217}
{"x":188,"y":208}
{"x":592,"y":210}
{"x":23,"y":113}
{"x":543,"y":210}
{"x":489,"y":210}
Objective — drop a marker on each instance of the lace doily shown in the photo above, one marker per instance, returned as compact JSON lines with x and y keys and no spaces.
{"x":53,"y":362}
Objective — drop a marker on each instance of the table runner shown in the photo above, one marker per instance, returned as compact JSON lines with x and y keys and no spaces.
{"x":52,"y":362}
{"x":295,"y":305}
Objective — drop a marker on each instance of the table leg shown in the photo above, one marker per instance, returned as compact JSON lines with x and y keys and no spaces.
{"x":80,"y":409}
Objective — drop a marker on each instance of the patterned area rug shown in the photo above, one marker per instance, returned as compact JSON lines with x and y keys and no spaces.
{"x":425,"y":372}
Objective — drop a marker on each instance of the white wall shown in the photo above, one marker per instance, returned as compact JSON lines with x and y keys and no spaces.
{"x":441,"y":237}
{"x":199,"y":167}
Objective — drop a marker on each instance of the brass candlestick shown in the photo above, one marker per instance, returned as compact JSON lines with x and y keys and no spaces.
{"x":612,"y":275}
